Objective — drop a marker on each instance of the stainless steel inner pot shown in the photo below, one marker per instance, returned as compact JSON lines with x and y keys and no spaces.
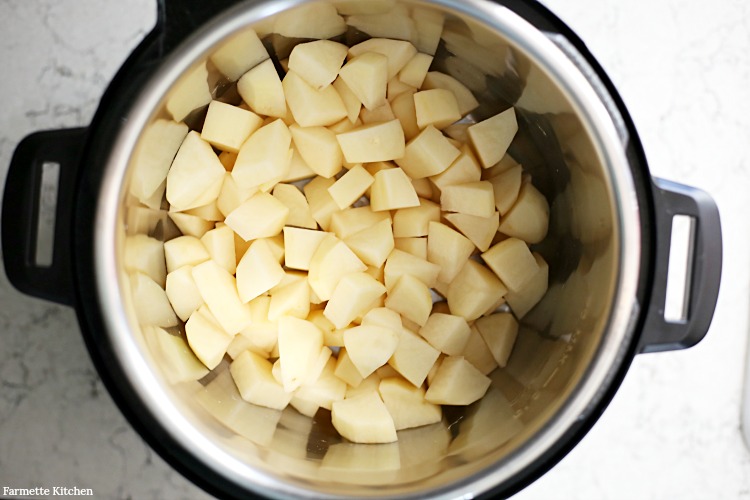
{"x":571,"y":141}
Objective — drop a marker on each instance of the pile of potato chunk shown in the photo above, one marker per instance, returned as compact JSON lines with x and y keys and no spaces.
{"x":377,"y":290}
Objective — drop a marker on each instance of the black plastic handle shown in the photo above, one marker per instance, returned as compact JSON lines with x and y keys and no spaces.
{"x":178,"y":19}
{"x":670,"y":199}
{"x":21,"y":214}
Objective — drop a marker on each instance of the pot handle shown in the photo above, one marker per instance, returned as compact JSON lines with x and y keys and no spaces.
{"x":177,"y":19}
{"x":702,"y":273}
{"x":37,"y":214}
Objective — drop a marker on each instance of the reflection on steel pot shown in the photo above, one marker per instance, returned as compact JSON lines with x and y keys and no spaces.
{"x":607,"y":247}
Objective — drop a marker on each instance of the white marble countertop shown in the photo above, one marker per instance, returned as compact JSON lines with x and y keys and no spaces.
{"x":673,"y":429}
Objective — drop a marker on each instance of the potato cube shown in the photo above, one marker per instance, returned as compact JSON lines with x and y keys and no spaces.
{"x":382,"y":113}
{"x":414,"y":221}
{"x":528,"y":219}
{"x":480,"y":230}
{"x":352,"y":297}
{"x":318,"y":62}
{"x":252,"y":375}
{"x":474,"y":290}
{"x":448,"y":249}
{"x":241,"y":53}
{"x":415,"y":71}
{"x":174,"y":355}
{"x":499,"y":332}
{"x":400,"y":263}
{"x":411,"y":298}
{"x":262,"y":334}
{"x":382,"y":316}
{"x":300,"y":245}
{"x":373,"y":142}
{"x":429,"y":25}
{"x":398,"y":53}
{"x":471,"y":198}
{"x":363,"y":419}
{"x":312,"y":20}
{"x":457,"y":382}
{"x":345,"y":369}
{"x":374,"y":244}
{"x":298,"y":168}
{"x":146,"y":255}
{"x":227,"y":127}
{"x":446,"y":332}
{"x":491,"y":138}
{"x":300,"y":343}
{"x":512,"y":261}
{"x":196,"y":175}
{"x":231,"y":195}
{"x":150,"y":302}
{"x":219,"y":243}
{"x":191,"y":93}
{"x":349,"y":98}
{"x":182,"y":292}
{"x":258,"y":271}
{"x":319,"y":148}
{"x":396,"y":88}
{"x":531,"y":293}
{"x":414,"y":357}
{"x":391,"y":190}
{"x":412,"y":245}
{"x":153,"y":157}
{"x":207,"y":338}
{"x":292,"y":299}
{"x":403,"y":108}
{"x":366,"y":75}
{"x":261,"y":89}
{"x":322,"y":205}
{"x":436,"y":107}
{"x":209,"y":212}
{"x":407,"y":405}
{"x":351,"y":186}
{"x":299,"y":210}
{"x":311,"y":107}
{"x":323,"y":392}
{"x":219,"y":291}
{"x":331,"y":261}
{"x":464,"y":169}
{"x":427,"y":154}
{"x":506,"y":186}
{"x":264,"y":157}
{"x":348,"y":222}
{"x":370,"y":347}
{"x":478,"y":353}
{"x":464,"y":97}
{"x":261,"y":216}
{"x":190,"y":225}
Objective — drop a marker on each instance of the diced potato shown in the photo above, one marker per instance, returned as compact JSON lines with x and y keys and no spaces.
{"x":324,"y":391}
{"x":391,"y":190}
{"x":313,"y":20}
{"x":145,"y":254}
{"x":331,"y":261}
{"x":231,"y":195}
{"x":207,"y":338}
{"x":153,"y":157}
{"x":299,"y":210}
{"x":150,"y":302}
{"x":382,"y":113}
{"x":427,"y":154}
{"x":506,"y":186}
{"x":499,"y":332}
{"x":300,"y":342}
{"x":353,"y":296}
{"x":174,"y":355}
{"x":374,"y":244}
{"x":300,"y":245}
{"x":413,"y":245}
{"x":474,"y":290}
{"x":382,"y":316}
{"x":209,"y":212}
{"x":414,"y":357}
{"x":436,"y":107}
{"x":396,"y":88}
{"x":373,"y":142}
{"x":471,"y":198}
{"x":290,"y":300}
{"x":264,"y":157}
{"x":448,"y":249}
{"x":363,"y":419}
{"x":397,"y":52}
{"x":480,"y":230}
{"x":414,"y":221}
{"x":351,"y":186}
{"x":465,"y":98}
{"x":318,"y":62}
{"x":446,"y":332}
{"x":252,"y":375}
{"x":349,"y":98}
{"x":369,"y":384}
{"x":407,"y":405}
{"x":478,"y":353}
{"x":370,"y":347}
{"x":404,"y":109}
{"x":464,"y":169}
{"x":258,"y":271}
{"x":261,"y":89}
{"x":366,"y":75}
{"x":182,"y":292}
{"x":190,"y":225}
{"x":348,"y":222}
{"x":298,"y":169}
{"x":262,"y":333}
{"x":415,"y":71}
{"x":491,"y":138}
{"x":219,"y":291}
{"x":523,"y":300}
{"x":411,"y":298}
{"x":311,"y":107}
{"x":429,"y":25}
{"x":457,"y":382}
{"x":345,"y":369}
{"x":400,"y":263}
{"x":196,"y":175}
{"x":219,"y":243}
{"x":260,"y":216}
{"x":241,"y":53}
{"x":512,"y":261}
{"x":528,"y":219}
{"x":319,"y":148}
{"x":191,"y":93}
{"x":227,"y":127}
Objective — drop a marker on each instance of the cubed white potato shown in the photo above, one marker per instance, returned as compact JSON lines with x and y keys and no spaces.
{"x":312,"y":20}
{"x":190,"y":93}
{"x":447,"y":248}
{"x":480,"y":230}
{"x":260,"y":216}
{"x":351,"y":186}
{"x":528,"y":218}
{"x":499,"y":332}
{"x":429,"y":25}
{"x":369,"y":384}
{"x":382,"y":316}
{"x":258,"y":271}
{"x":407,"y":405}
{"x":349,"y":98}
{"x":345,"y":223}
{"x":363,"y":419}
{"x":511,"y":260}
{"x":373,"y":142}
{"x":196,"y":175}
{"x":464,"y":169}
{"x":219,"y":291}
{"x":150,"y":301}
{"x":239,"y":54}
{"x":153,"y":156}
{"x":370,"y":347}
{"x":145,"y":254}
{"x":478,"y":353}
{"x":298,"y":168}
{"x":174,"y":356}
{"x":324,"y":391}
{"x":506,"y":163}
{"x":209,"y":212}
{"x":300,"y":342}
{"x":414,"y":357}
{"x":474,"y":290}
{"x":219,"y":243}
{"x":264,"y":157}
{"x":290,"y":276}
{"x":276,"y":244}
{"x":374,"y":244}
{"x":182,"y":292}
{"x":427,"y":154}
{"x":262,"y":334}
{"x":457,"y":382}
{"x":319,"y":148}
{"x":300,"y":245}
{"x":366,"y":75}
{"x":226,"y":127}
{"x":206,"y":337}
{"x":436,"y":107}
{"x":471,"y":198}
{"x":190,"y":225}
{"x":392,"y":189}
{"x":403,"y":108}
{"x":446,"y":332}
{"x":414,"y":221}
{"x":491,"y":138}
{"x":261,"y":89}
{"x":524,"y":299}
{"x":322,"y":205}
{"x":345,"y":369}
{"x":400,"y":263}
{"x":299,"y":210}
{"x":465,"y":98}
{"x":252,"y":375}
{"x":415,"y":71}
{"x":411,"y":298}
{"x":506,"y":187}
{"x":398,"y":52}
{"x":382,"y":113}
{"x":290,"y":300}
{"x":311,"y":107}
{"x":416,"y":246}
{"x":331,"y":261}
{"x":352,"y":297}
{"x":318,"y":62}
{"x":231,"y":195}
